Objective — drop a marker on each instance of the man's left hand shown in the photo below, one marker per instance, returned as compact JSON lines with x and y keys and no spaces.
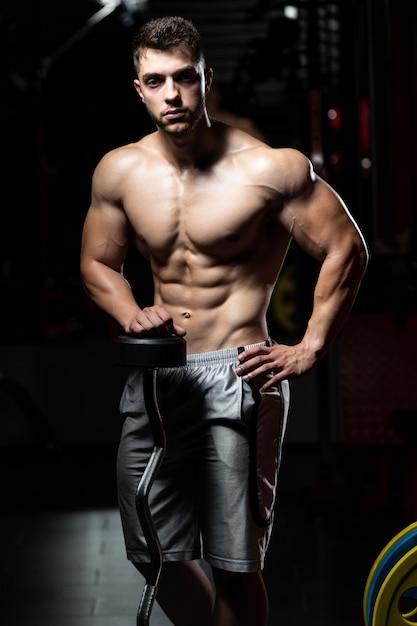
{"x":280,"y":360}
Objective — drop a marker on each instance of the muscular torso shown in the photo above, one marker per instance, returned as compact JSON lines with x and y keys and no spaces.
{"x":213,"y":241}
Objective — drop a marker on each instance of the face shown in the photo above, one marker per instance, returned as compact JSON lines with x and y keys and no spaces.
{"x":173,"y":89}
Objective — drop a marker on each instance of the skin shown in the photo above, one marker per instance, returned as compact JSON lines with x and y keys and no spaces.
{"x":215,"y":210}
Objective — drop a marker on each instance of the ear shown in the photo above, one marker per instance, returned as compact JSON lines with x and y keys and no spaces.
{"x":208,"y":79}
{"x":138,"y":89}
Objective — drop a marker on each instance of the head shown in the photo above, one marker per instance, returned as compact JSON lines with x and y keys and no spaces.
{"x":164,"y":34}
{"x":172,"y":79}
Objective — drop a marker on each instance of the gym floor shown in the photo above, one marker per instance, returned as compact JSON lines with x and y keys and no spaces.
{"x":63,"y":558}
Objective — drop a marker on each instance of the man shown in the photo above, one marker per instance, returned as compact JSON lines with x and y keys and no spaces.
{"x":214,"y":210}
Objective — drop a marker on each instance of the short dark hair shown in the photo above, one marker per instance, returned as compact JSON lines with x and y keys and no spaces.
{"x":164,"y":33}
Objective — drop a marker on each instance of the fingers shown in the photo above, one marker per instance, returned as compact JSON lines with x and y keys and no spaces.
{"x":263,"y":360}
{"x":154,"y":321}
{"x":278,"y":362}
{"x":254,"y":361}
{"x":256,"y":355}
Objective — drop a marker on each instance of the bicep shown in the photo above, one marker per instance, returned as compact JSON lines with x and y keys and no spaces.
{"x":321,"y":224}
{"x":106,"y":235}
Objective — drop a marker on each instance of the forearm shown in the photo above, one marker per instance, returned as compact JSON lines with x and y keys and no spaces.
{"x":110,"y":291}
{"x":335,"y":292}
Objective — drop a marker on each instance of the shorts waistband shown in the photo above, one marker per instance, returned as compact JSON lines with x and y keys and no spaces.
{"x":226,"y":355}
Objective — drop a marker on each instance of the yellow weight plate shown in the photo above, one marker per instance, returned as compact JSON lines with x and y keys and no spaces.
{"x":401,"y":579}
{"x":399,"y":545}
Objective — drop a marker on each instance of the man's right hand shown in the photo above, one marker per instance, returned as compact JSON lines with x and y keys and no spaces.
{"x":154,"y":321}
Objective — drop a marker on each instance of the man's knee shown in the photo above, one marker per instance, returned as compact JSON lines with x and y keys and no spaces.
{"x":241,"y":598}
{"x":238,"y":581}
{"x":184,"y":592}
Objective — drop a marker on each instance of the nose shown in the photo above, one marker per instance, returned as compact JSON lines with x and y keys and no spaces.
{"x":172,"y":93}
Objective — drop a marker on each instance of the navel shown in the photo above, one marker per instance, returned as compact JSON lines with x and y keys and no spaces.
{"x":186,"y":314}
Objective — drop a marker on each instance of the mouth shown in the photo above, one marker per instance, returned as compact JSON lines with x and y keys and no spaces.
{"x":174,"y":114}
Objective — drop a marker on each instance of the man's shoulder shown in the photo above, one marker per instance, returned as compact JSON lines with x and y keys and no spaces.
{"x":291,"y":164}
{"x":261,"y":159}
{"x":126,"y":156}
{"x":242,"y":142}
{"x":282,"y":157}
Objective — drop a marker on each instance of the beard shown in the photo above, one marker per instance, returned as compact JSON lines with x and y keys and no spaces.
{"x":178,"y":129}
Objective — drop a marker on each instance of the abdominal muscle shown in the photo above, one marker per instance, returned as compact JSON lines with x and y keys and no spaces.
{"x":215,"y":316}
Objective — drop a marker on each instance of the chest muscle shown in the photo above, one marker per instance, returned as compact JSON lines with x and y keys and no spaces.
{"x":212,"y":215}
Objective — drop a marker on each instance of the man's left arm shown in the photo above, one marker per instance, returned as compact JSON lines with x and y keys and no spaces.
{"x":321,"y":224}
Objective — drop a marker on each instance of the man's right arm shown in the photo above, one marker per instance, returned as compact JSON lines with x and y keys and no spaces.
{"x":105,"y":242}
{"x":104,"y":247}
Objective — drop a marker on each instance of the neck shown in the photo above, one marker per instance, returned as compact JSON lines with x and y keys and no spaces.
{"x":194,"y":149}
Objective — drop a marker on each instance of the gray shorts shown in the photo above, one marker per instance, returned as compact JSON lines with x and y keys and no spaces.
{"x":215,"y":491}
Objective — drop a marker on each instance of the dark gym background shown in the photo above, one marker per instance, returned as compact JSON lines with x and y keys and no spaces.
{"x":337,"y":80}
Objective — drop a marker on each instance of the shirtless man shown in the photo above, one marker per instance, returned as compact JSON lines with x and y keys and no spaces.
{"x":214,"y":210}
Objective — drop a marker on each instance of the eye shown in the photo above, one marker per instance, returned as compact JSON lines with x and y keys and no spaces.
{"x":153,"y":82}
{"x":188,"y":77}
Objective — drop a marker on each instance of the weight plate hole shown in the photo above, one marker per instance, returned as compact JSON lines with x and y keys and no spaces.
{"x":407,"y":605}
